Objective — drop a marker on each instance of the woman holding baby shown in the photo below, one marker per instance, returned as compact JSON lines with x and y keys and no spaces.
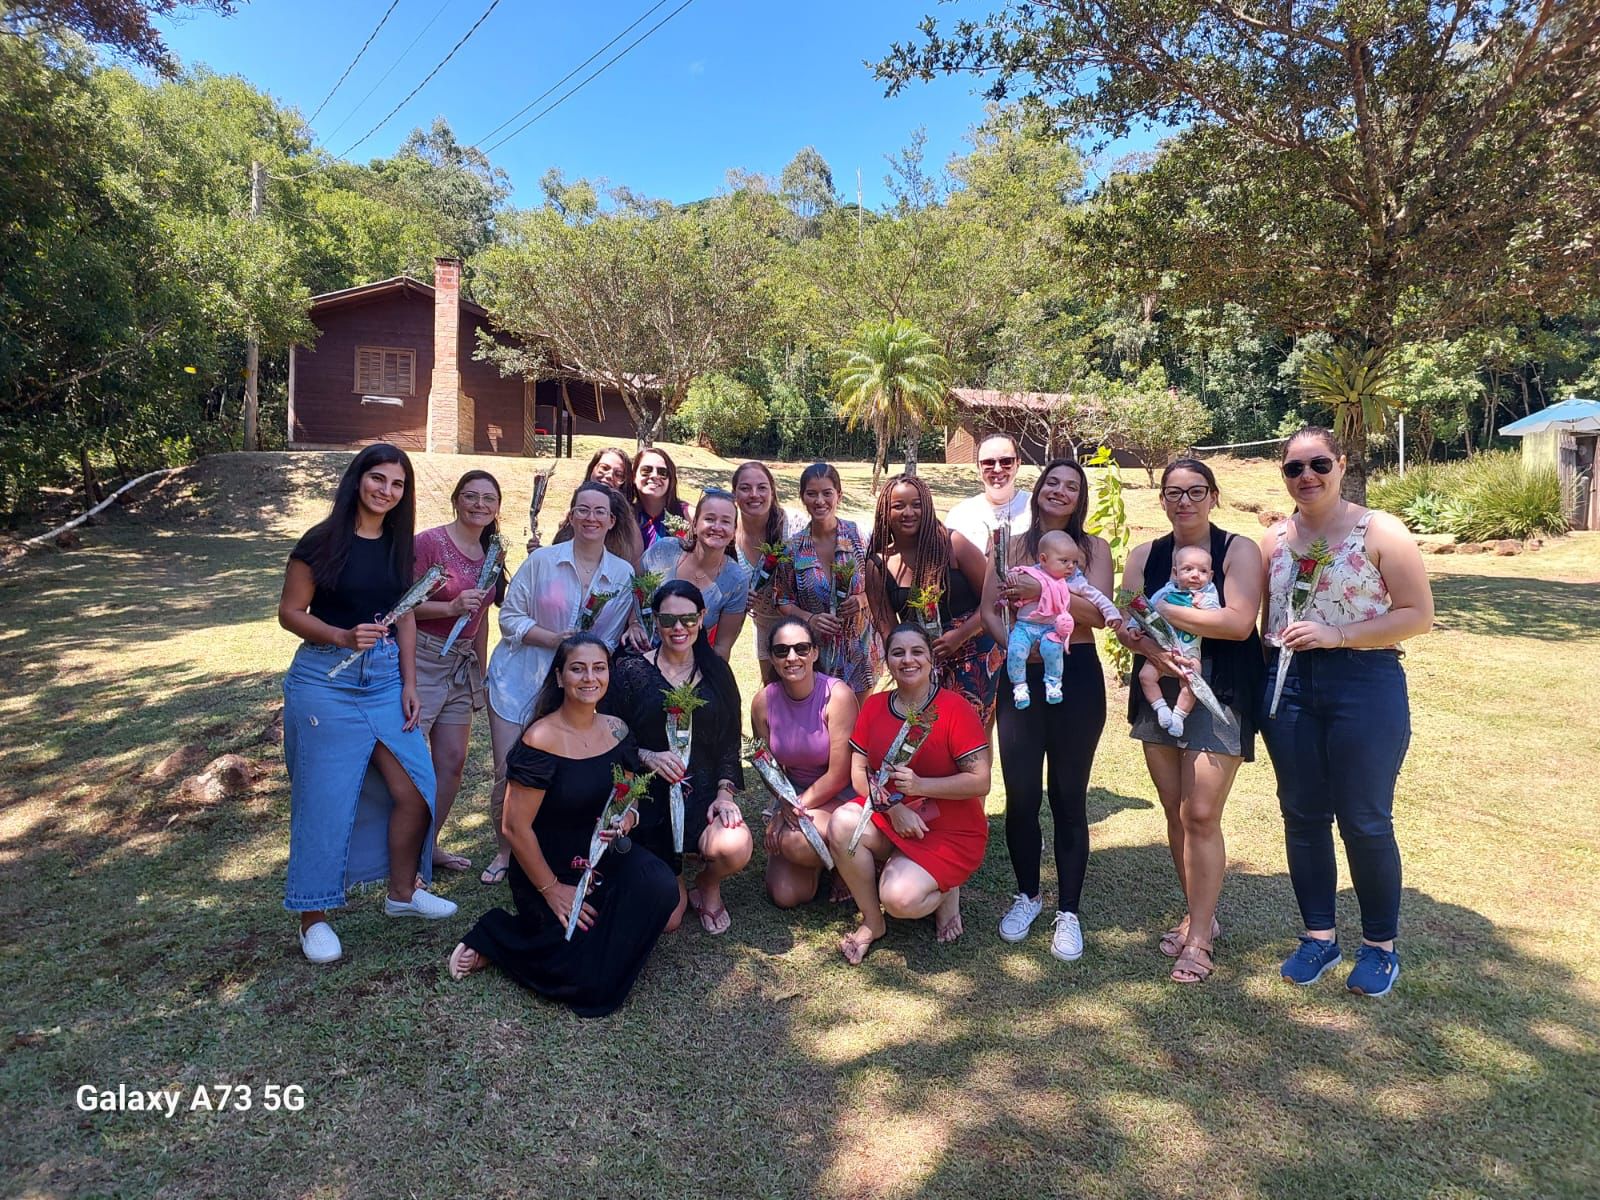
{"x":1047,"y":745}
{"x":1193,"y":756}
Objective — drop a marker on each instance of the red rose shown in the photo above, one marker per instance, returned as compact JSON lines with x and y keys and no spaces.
{"x":1308,"y":565}
{"x":676,"y":712}
{"x":1139,"y":604}
{"x":916,"y":734}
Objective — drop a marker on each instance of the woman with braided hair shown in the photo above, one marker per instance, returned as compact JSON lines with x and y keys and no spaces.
{"x":911,"y":556}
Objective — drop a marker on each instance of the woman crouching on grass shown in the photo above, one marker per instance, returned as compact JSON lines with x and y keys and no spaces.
{"x":343,"y":576}
{"x":560,"y":776}
{"x":450,"y":686}
{"x":1344,"y":721}
{"x":713,"y":826}
{"x":932,"y":838}
{"x":805,"y":718}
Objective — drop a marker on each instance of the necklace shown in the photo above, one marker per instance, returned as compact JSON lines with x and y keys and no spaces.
{"x":900,"y":710}
{"x":673,"y":677}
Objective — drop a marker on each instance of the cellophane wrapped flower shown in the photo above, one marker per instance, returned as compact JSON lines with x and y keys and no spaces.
{"x":680,"y":703}
{"x":1308,"y":568}
{"x":677,"y":527}
{"x":773,"y":554}
{"x":645,"y":584}
{"x":924,"y":606}
{"x":592,"y":607}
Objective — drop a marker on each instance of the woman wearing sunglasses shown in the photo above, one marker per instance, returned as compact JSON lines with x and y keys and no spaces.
{"x":806,"y":718}
{"x":1344,"y":721}
{"x":708,"y":563}
{"x":1193,"y":773}
{"x":654,"y":493}
{"x":713,"y":826}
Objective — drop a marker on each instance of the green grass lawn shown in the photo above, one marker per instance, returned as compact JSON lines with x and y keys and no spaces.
{"x":147,"y":945}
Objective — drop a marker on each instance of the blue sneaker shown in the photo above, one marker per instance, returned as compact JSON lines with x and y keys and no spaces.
{"x":1314,"y":959}
{"x":1375,"y":973}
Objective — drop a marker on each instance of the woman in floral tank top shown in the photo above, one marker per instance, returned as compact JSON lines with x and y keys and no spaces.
{"x":1344,"y":587}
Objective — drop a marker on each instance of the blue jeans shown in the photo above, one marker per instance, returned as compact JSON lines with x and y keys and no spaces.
{"x":1337,"y":743}
{"x":1025,"y":635}
{"x":338,"y":804}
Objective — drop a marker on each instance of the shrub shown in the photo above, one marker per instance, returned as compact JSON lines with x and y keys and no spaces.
{"x":1498,"y":497}
{"x":1478,"y":499}
{"x":721,"y":413}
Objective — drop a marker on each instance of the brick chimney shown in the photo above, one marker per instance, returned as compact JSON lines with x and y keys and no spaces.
{"x":449,"y":411}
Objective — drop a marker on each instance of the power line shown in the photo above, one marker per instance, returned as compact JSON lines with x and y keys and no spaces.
{"x":555,"y":104}
{"x":494,"y":4}
{"x":624,"y":33}
{"x":361,"y":103}
{"x":353,"y":62}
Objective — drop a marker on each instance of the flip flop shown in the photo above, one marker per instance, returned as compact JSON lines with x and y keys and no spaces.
{"x":445,"y":861}
{"x":493,"y":875}
{"x":461,"y":966}
{"x":713,"y":921}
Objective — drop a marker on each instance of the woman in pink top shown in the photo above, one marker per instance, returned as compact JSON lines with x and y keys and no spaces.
{"x":450,"y":686}
{"x":806,"y":719}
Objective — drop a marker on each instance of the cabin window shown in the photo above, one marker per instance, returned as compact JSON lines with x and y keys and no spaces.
{"x":382,"y":371}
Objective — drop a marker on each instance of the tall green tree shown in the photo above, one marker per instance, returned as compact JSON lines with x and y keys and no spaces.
{"x":892,"y":378}
{"x":1376,"y":171}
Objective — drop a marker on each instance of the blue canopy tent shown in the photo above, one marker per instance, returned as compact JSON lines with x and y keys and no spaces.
{"x":1563,"y":437}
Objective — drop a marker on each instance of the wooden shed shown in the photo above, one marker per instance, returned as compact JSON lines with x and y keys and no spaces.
{"x":979,"y":412}
{"x":393,"y":361}
{"x":1564,"y":438}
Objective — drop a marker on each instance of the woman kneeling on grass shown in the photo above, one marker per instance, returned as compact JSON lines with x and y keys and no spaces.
{"x":343,"y":576}
{"x":713,"y":826}
{"x":932,"y":838}
{"x":1344,"y":722}
{"x":806,"y":719}
{"x":561,"y":778}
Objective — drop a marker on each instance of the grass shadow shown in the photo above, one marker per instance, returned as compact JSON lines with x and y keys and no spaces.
{"x":1517,"y":607}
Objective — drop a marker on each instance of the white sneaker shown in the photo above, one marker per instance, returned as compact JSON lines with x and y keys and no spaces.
{"x":1066,"y":943}
{"x":1019,"y":919}
{"x":320,"y":943}
{"x":423,"y":904}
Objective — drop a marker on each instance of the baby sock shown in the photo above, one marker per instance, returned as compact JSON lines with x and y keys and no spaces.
{"x":1163,"y":715}
{"x":1175,"y":726}
{"x":1019,"y":696}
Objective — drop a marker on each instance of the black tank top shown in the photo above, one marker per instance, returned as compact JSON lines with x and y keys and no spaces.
{"x":1237,"y":668}
{"x":955,"y":601}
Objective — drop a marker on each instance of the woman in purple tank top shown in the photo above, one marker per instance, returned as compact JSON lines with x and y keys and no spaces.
{"x":806,"y":718}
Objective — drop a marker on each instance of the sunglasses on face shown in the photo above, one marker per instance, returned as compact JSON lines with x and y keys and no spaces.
{"x":647,"y":472}
{"x":797,"y":649}
{"x":1194,"y":495}
{"x":998,"y":464}
{"x":1294,"y":468}
{"x":673,"y":620}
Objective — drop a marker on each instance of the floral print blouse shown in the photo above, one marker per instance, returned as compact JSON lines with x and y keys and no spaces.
{"x":1349,"y":590}
{"x":808,"y":584}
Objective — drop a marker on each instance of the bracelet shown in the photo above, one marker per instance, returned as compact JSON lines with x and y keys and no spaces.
{"x":1341,"y":636}
{"x":548,"y":886}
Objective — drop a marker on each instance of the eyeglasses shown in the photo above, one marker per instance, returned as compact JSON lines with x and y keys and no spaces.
{"x":1294,"y":468}
{"x":998,"y":464}
{"x":673,"y":620}
{"x":796,"y":649}
{"x":478,"y":498}
{"x":591,"y":514}
{"x":646,"y":472}
{"x":1194,"y":495}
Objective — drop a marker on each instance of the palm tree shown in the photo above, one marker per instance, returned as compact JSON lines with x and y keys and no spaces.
{"x":892,"y":378}
{"x":1359,"y":386}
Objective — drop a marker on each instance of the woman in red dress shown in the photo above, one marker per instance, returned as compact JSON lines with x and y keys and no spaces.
{"x":929,"y":829}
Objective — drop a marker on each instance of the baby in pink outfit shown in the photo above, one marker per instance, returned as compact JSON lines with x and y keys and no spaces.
{"x":1047,"y":622}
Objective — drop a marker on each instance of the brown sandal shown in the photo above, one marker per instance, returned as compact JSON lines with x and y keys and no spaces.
{"x":1172,"y":939}
{"x":1189,"y":969}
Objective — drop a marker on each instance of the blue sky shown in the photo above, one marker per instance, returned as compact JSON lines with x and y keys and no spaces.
{"x":724,"y":84}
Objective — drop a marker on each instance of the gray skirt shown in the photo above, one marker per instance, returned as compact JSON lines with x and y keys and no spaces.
{"x":1201,"y":730}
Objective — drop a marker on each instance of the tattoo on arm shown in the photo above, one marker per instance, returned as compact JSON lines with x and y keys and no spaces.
{"x":970,"y":760}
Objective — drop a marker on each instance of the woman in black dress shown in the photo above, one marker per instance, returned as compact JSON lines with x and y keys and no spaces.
{"x":713,"y":826}
{"x":560,"y":777}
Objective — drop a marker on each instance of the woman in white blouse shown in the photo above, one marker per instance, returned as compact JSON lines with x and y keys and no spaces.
{"x":558,"y":591}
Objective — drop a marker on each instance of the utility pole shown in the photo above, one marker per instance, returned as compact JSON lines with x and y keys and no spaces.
{"x":858,"y":208}
{"x":252,"y":353}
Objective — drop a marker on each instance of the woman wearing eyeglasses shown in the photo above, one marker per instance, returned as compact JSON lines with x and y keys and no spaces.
{"x":1343,"y":723}
{"x":713,"y":826}
{"x":1194,"y":772}
{"x":654,"y":494}
{"x":806,"y":718}
{"x":710,"y":566}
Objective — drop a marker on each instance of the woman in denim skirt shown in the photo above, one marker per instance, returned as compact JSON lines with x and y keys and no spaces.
{"x":1343,"y":723}
{"x":345,"y":827}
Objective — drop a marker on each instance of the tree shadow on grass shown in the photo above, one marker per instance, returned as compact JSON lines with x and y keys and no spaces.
{"x":1549,"y":610}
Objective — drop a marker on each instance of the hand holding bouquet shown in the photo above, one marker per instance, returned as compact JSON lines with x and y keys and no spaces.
{"x":1001,"y":554}
{"x":1141,"y":617}
{"x":626,"y":791}
{"x":1308,"y":568}
{"x":772,"y":554}
{"x":680,"y":703}
{"x":592,"y":607}
{"x":486,"y":575}
{"x":924,"y":606}
{"x":783,"y":792}
{"x":418,"y":592}
{"x":912,"y":733}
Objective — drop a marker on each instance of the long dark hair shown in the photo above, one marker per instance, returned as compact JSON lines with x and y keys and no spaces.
{"x":489,"y":530}
{"x":1030,"y":539}
{"x":330,"y":538}
{"x":718,"y":675}
{"x":673,"y":505}
{"x":930,"y":555}
{"x":594,"y":461}
{"x":551,"y":696}
{"x":773,"y":533}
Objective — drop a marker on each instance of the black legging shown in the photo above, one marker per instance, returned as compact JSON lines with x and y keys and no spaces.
{"x":1066,"y":735}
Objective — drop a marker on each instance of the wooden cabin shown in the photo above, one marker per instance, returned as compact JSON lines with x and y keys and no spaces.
{"x":393,"y":362}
